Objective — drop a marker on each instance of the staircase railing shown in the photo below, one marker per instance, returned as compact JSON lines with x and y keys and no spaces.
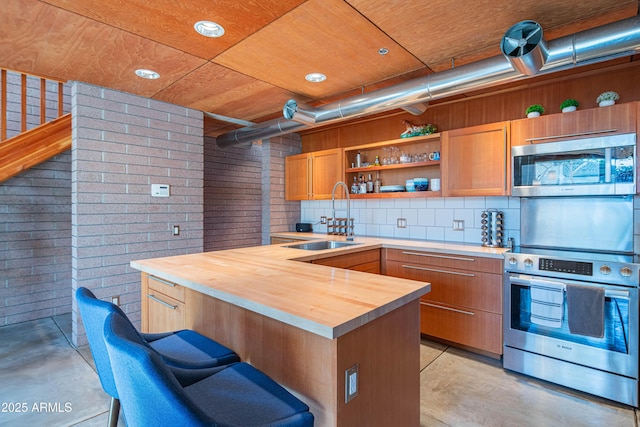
{"x":27,"y":104}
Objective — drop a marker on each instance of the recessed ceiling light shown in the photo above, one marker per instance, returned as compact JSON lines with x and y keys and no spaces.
{"x":147,"y":74}
{"x":209,"y":28}
{"x":315,"y":77}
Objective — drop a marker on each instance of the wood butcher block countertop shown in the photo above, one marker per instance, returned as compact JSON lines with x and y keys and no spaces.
{"x":272,"y":281}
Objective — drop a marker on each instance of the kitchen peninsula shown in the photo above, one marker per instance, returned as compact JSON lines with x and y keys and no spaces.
{"x":303,"y":324}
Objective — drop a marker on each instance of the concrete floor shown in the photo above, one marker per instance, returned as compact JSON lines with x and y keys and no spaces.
{"x":54,"y":384}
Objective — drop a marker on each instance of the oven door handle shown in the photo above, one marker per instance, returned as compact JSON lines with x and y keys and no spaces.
{"x":527,"y":282}
{"x":611,"y":293}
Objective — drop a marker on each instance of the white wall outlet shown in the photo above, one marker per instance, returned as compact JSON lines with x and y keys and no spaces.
{"x":458,"y":225}
{"x":402,"y":223}
{"x":160,"y":190}
{"x":351,"y":383}
{"x":115,"y":300}
{"x":323,"y":219}
{"x":176,"y":230}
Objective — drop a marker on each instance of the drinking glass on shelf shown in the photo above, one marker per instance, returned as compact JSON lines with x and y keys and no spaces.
{"x":395,"y":154}
{"x":385,"y":156}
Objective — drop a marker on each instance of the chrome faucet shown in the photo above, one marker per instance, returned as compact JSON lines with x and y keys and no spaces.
{"x":350,"y":232}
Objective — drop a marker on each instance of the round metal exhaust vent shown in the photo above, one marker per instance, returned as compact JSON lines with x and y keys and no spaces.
{"x":524,"y":47}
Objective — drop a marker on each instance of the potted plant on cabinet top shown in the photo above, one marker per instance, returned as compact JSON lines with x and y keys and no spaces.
{"x":608,"y":98}
{"x":569,"y":105}
{"x":534,"y":110}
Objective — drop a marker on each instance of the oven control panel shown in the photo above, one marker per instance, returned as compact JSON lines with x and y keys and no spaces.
{"x":584,"y":266}
{"x":565,"y":266}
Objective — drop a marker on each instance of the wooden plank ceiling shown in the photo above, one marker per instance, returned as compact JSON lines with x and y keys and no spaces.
{"x":269,"y":45}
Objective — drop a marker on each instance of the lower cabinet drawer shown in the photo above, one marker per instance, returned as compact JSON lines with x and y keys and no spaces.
{"x":477,"y":290}
{"x":473,"y":328}
{"x":167,"y":288}
{"x":164,"y":313}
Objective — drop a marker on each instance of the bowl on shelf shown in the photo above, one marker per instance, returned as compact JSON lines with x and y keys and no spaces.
{"x":409,"y":185}
{"x":421,"y":184}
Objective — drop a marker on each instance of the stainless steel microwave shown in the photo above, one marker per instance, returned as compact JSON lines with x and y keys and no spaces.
{"x":592,"y":166}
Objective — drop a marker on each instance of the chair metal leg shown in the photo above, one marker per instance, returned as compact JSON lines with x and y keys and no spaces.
{"x":114,"y":412}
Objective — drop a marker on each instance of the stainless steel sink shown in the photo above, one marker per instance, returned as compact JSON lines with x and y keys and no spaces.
{"x":321,"y":245}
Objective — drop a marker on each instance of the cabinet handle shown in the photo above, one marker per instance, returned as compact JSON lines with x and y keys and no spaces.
{"x":166,"y":304}
{"x":435,"y":270}
{"x":469,"y":313}
{"x":439,"y":256}
{"x":157,"y":279}
{"x":541,"y":138}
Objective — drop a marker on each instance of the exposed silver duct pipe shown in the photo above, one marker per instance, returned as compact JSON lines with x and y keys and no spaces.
{"x":599,"y":44}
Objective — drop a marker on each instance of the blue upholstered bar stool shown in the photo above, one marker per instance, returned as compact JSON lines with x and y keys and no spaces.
{"x":185,"y":349}
{"x":153,"y":393}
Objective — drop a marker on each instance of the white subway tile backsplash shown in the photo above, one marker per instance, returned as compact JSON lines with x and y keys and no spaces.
{"x":475,"y":202}
{"x":387,"y":230}
{"x":402,"y":233}
{"x":386,"y":204}
{"x":453,"y":236}
{"x":402,"y":203}
{"x":418,"y":203}
{"x":444,"y":218}
{"x":454,"y":202}
{"x":435,"y":203}
{"x":393,"y":215}
{"x":372,"y":230}
{"x":411,"y":215}
{"x":435,"y":233}
{"x":427,"y":219}
{"x":417,"y":232}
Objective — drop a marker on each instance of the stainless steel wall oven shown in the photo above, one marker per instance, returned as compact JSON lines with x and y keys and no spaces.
{"x":571,"y":296}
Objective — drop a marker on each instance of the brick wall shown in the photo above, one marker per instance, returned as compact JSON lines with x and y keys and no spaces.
{"x":232,"y":196}
{"x":121,"y":145}
{"x":277,"y":213}
{"x":35,"y":220}
{"x":35,"y":242}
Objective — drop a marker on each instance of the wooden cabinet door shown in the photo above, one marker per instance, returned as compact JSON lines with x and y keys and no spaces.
{"x":590,"y":123}
{"x":474,"y":161}
{"x":297,"y":171}
{"x":326,"y":170}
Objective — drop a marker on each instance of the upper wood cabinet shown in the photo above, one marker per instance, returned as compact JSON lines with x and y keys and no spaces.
{"x":619,"y":118}
{"x":475,"y":161}
{"x":311,"y":176}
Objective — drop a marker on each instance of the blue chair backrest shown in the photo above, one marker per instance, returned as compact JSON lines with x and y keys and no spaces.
{"x":149,"y":392}
{"x":94,"y":314}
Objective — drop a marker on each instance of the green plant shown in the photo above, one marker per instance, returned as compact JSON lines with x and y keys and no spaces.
{"x":569,"y":103}
{"x":534,"y":108}
{"x":607,"y":96}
